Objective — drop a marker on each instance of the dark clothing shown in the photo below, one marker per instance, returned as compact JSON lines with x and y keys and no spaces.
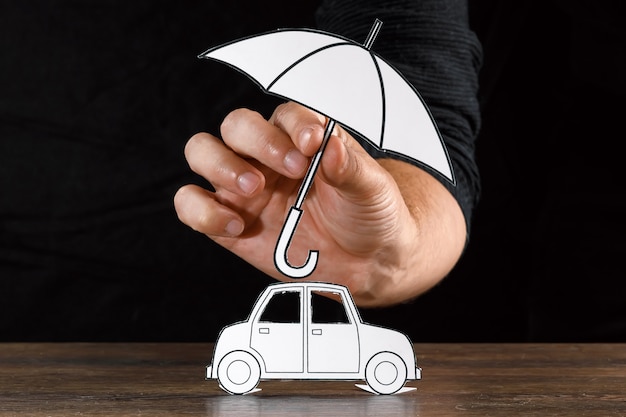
{"x":430,"y":43}
{"x":545,"y":260}
{"x":97,"y":100}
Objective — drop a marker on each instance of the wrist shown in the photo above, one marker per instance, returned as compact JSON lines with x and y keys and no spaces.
{"x":428,"y":241}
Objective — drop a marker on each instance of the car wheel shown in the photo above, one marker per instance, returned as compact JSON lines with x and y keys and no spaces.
{"x":238,"y":372}
{"x":385,"y":373}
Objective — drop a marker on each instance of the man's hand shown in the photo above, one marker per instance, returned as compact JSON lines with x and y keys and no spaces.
{"x":386,"y":229}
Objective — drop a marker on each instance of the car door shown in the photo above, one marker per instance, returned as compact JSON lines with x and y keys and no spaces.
{"x":278,"y":331}
{"x":333,"y":340}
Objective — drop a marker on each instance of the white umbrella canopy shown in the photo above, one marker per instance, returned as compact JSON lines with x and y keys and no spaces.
{"x":349,"y":84}
{"x":346,"y":82}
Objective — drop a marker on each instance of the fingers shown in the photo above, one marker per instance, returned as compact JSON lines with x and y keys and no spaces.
{"x":345,"y":164}
{"x":256,"y":153}
{"x":207,"y":156}
{"x":198,"y":209}
{"x":249,"y":134}
{"x":283,"y":144}
{"x":252,"y":156}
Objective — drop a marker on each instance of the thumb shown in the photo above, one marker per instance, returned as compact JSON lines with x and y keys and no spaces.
{"x":346,"y":166}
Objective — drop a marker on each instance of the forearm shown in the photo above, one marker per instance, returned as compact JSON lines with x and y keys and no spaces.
{"x":427,"y":245}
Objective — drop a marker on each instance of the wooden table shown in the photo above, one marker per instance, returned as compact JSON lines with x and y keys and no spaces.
{"x":168,"y":379}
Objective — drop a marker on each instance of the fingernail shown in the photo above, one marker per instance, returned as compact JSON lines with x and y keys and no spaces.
{"x":295,"y":162}
{"x":234,"y":228}
{"x":248,"y":182}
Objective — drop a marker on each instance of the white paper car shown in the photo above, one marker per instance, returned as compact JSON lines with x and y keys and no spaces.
{"x":310,"y":330}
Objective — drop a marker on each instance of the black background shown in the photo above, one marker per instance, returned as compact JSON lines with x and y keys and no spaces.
{"x":545,"y":257}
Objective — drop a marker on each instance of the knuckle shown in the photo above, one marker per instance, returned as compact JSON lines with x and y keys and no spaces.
{"x":280,"y":113}
{"x":234,"y":118}
{"x":204,"y":222}
{"x":266,"y":142}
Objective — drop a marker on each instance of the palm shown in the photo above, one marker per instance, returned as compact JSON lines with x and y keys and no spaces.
{"x":341,"y":227}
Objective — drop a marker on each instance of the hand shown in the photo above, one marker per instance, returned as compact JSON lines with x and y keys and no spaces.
{"x":370,"y":237}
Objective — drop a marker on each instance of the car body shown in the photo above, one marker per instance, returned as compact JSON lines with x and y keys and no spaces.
{"x":310,"y":330}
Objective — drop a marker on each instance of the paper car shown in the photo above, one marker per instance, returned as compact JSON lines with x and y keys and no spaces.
{"x":310,"y":331}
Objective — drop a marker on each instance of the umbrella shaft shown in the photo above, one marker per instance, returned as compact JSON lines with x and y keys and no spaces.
{"x":315,"y":162}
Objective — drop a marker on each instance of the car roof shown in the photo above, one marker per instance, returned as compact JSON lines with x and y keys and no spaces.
{"x":306,"y":284}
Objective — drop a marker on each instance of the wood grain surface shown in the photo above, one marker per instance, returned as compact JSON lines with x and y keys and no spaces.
{"x":168,"y":380}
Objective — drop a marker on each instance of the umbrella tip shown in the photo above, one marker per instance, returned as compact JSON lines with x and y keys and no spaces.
{"x":371,"y":37}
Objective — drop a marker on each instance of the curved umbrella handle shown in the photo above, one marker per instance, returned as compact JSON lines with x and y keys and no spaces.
{"x":289,"y":227}
{"x":282,"y":246}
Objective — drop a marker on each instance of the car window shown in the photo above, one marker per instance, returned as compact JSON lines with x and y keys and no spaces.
{"x":327,"y":307}
{"x":283,"y":307}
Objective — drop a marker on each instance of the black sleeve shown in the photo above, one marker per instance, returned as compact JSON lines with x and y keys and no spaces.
{"x":431,"y":44}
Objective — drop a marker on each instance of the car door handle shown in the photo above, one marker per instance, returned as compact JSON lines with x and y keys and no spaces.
{"x":316,"y":332}
{"x":264,"y":330}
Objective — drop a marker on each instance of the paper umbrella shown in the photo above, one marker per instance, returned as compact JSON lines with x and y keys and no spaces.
{"x":352,"y":86}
